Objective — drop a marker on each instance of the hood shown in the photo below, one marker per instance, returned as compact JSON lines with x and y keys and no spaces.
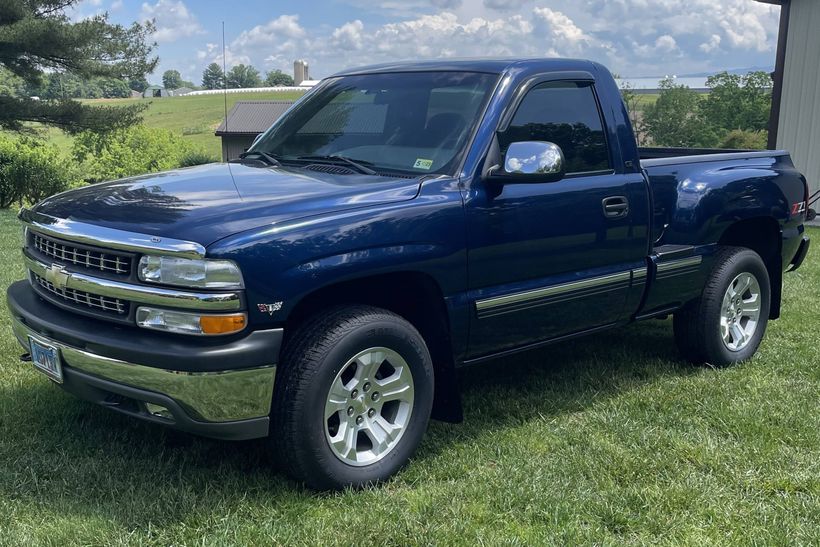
{"x":207,"y":203}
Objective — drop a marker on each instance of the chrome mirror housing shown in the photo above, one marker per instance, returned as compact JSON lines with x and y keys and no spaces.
{"x":535,"y":159}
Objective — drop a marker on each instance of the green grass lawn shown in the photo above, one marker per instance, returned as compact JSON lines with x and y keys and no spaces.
{"x":606,"y":440}
{"x":195,"y":117}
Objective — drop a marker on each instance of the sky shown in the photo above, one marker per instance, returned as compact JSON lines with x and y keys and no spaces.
{"x":634,"y":38}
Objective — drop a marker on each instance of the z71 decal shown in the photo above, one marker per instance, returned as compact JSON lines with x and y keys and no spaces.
{"x":799,"y":208}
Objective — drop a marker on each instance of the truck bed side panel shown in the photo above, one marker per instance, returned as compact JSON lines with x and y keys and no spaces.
{"x":696,"y":199}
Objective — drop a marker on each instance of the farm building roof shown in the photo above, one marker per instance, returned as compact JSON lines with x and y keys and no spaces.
{"x":252,"y":117}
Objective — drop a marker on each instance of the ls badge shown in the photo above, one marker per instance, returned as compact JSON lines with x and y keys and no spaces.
{"x":270,"y":309}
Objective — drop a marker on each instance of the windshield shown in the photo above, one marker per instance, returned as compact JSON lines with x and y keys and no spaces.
{"x":407,"y":123}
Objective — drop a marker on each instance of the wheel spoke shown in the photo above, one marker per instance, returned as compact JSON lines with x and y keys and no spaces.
{"x":367,"y":365}
{"x":381,"y":433}
{"x":338,"y":392}
{"x":345,"y":440}
{"x":398,"y":386}
{"x":743,"y":283}
{"x":751,"y":306}
{"x":738,"y":335}
{"x":725,"y":331}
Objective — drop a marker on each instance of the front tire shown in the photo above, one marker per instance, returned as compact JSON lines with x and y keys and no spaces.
{"x":352,"y":399}
{"x":726,"y":324}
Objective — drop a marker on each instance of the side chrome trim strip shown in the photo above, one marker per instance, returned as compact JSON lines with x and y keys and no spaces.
{"x":222,"y":396}
{"x":224,"y":301}
{"x":517,"y":298}
{"x":678,"y":264}
{"x":639,"y":275}
{"x":110,"y":238}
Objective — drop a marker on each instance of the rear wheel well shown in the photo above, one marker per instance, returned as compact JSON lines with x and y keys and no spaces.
{"x":761,"y":235}
{"x":414,"y":296}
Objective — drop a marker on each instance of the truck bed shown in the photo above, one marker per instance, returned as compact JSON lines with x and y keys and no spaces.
{"x":681,"y":177}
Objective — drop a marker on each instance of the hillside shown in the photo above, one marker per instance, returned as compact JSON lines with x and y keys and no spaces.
{"x":196,"y":118}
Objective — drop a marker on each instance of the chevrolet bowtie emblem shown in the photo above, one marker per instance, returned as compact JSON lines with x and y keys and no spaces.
{"x":57,"y":276}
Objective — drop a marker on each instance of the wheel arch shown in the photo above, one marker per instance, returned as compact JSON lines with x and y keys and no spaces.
{"x":415,"y":296}
{"x":763,"y":236}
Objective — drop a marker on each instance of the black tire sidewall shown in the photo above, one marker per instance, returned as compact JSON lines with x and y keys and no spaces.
{"x":384,"y":332}
{"x":743,"y":261}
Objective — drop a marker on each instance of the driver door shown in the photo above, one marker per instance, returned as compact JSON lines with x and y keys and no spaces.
{"x":545,"y":259}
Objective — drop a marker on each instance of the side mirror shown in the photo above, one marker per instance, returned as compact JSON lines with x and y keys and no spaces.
{"x":532,"y":161}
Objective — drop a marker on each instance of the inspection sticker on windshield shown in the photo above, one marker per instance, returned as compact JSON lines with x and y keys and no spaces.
{"x":423,"y":164}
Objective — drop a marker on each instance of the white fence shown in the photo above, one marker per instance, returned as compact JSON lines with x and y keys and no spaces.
{"x":302,"y":87}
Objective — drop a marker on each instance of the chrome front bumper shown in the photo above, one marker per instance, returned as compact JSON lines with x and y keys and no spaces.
{"x":218,"y":398}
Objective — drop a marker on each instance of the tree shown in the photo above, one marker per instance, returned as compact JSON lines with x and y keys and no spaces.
{"x":11,"y":84}
{"x":138,"y":84}
{"x":243,"y":76}
{"x":634,"y":109}
{"x":213,"y":77}
{"x":674,"y":119}
{"x":277,"y":77}
{"x":113,"y":88}
{"x":37,"y":36}
{"x":171,"y":79}
{"x":738,"y":102}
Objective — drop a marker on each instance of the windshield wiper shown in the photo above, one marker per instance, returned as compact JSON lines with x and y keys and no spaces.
{"x":270,"y":160}
{"x":358,"y":165}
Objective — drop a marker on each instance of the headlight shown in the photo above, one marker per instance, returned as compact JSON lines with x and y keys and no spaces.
{"x":185,"y":272}
{"x":190,"y":323}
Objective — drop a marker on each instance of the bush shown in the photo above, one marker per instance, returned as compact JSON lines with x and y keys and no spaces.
{"x":31,"y":171}
{"x":128,"y":152}
{"x":196,"y":157}
{"x":745,"y":140}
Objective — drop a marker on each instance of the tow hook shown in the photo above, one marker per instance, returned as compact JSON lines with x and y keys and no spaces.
{"x":25,"y":358}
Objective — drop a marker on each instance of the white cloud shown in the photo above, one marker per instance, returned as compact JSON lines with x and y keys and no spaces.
{"x":632,"y":37}
{"x":562,"y":27}
{"x":349,"y":35}
{"x":173,"y":20}
{"x":666,"y":44}
{"x":538,"y":32}
{"x":711,"y":45}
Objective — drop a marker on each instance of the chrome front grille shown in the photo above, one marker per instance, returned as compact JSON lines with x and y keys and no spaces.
{"x":98,"y":260}
{"x":82,"y":298}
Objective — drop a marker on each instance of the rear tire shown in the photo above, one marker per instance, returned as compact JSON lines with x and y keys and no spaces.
{"x":352,"y":399}
{"x":726,"y":324}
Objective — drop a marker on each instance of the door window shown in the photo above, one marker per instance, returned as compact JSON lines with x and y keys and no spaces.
{"x":567,"y":114}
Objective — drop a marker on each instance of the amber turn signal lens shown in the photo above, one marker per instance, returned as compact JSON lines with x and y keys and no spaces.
{"x":222,"y":324}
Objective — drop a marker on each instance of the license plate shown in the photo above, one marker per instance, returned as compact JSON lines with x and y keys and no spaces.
{"x":47,"y":360}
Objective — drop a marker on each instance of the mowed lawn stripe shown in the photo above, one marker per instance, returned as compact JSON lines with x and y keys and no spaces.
{"x":609,"y":440}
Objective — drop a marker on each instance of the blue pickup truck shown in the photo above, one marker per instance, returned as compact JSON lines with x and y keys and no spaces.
{"x":398,"y":222}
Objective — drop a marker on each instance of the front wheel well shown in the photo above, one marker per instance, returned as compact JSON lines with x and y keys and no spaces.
{"x":414,"y":296}
{"x":762,"y":235}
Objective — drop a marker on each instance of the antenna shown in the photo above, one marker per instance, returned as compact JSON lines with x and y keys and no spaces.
{"x":224,"y":77}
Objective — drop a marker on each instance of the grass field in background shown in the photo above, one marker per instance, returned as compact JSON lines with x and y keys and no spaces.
{"x":194,"y":117}
{"x":605,"y":440}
